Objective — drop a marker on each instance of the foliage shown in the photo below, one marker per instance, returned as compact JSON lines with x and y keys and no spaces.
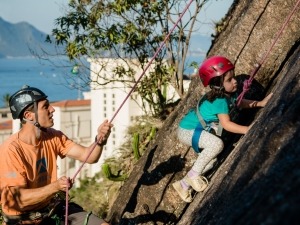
{"x":1,"y":217}
{"x":98,"y":193}
{"x":135,"y":145}
{"x":132,"y":29}
{"x":5,"y":99}
{"x":94,"y":194}
{"x":109,"y":175}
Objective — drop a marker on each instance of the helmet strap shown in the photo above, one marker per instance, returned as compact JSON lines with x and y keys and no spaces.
{"x":36,"y":115}
{"x":36,"y":122}
{"x":37,"y":125}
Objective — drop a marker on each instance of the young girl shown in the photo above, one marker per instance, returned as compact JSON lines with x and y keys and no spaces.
{"x":212,"y":114}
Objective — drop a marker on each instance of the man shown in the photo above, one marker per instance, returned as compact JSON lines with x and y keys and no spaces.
{"x":28,"y":171}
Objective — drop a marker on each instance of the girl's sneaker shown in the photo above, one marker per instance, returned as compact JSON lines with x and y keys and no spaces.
{"x":185,"y":195}
{"x":198,"y":183}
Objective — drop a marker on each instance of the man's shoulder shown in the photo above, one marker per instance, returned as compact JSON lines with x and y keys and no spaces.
{"x":53,"y":134}
{"x":11,"y":140}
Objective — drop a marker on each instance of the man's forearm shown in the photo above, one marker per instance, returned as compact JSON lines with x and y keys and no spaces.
{"x":28,"y":199}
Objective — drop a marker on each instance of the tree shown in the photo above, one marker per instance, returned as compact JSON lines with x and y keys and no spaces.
{"x":256,"y":181}
{"x":132,"y":30}
{"x":5,"y":99}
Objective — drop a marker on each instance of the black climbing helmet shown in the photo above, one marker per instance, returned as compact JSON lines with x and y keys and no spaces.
{"x":23,"y":98}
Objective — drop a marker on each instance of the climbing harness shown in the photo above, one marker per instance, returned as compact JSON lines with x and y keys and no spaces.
{"x":87,"y":218}
{"x":247,"y":83}
{"x":36,"y":217}
{"x":212,"y":127}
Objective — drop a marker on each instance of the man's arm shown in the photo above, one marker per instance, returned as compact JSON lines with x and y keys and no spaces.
{"x":81,"y":153}
{"x":24,"y":199}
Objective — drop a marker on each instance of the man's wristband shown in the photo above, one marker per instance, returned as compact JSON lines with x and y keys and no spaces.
{"x":100,"y":144}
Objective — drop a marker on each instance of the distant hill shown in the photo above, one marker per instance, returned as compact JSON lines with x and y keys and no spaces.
{"x":18,"y":40}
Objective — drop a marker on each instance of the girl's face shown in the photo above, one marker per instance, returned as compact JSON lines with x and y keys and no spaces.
{"x":230,"y":83}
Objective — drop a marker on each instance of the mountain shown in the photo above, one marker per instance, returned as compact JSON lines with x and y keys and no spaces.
{"x":20,"y":39}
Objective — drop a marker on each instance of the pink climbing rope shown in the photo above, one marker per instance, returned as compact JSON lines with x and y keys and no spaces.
{"x":128,"y":95}
{"x":247,"y":83}
{"x":246,"y":86}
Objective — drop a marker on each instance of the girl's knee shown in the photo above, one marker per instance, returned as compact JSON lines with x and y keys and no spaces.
{"x":216,"y":145}
{"x":211,"y":141}
{"x":219,"y":144}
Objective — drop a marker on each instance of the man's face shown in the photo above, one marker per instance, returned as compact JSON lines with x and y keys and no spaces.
{"x":45,"y":114}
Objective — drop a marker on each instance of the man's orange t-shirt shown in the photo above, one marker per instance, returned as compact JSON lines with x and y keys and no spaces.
{"x":30,"y":166}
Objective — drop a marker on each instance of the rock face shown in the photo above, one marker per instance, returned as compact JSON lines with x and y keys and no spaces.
{"x":258,"y":183}
{"x":257,"y":179}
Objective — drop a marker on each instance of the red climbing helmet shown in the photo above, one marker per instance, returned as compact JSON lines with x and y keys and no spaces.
{"x":213,"y":67}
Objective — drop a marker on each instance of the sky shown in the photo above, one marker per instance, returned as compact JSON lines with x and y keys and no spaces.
{"x":39,"y":13}
{"x":42,"y":13}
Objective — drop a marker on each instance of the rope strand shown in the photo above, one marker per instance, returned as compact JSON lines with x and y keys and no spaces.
{"x":246,"y":87}
{"x":247,"y":83}
{"x":128,"y":95}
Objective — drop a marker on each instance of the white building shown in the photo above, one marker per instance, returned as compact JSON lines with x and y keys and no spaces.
{"x":106,"y":100}
{"x":73,"y":118}
{"x":5,"y":124}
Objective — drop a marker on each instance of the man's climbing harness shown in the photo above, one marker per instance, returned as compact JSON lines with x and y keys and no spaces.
{"x":35,"y":217}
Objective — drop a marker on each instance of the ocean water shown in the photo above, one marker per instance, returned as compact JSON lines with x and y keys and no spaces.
{"x":53,"y":78}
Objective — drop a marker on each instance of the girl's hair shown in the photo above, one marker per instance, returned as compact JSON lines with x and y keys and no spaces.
{"x":217,"y":89}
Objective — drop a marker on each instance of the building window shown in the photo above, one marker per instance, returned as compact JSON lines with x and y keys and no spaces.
{"x":4,"y":115}
{"x":113,"y":95}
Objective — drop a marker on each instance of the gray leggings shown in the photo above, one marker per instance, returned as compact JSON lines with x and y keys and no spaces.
{"x":211,"y":145}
